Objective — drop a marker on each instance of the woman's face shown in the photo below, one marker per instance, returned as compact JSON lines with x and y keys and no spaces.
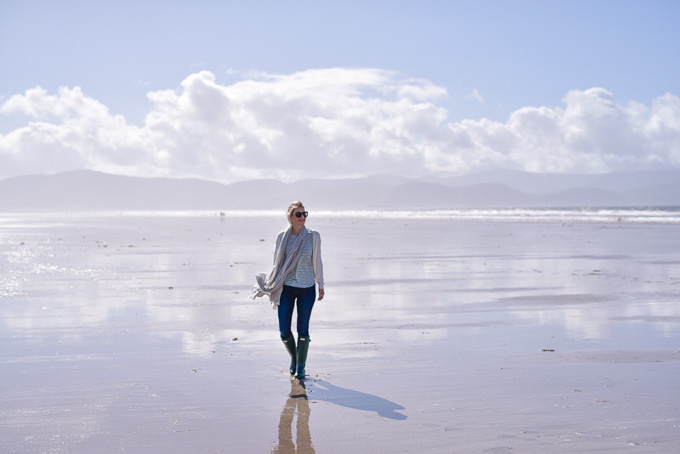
{"x":298,"y":221}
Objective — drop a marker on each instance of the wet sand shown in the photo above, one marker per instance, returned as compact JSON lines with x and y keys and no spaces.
{"x":135,"y":334}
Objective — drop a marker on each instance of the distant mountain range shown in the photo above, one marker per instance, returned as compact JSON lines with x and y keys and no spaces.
{"x":85,"y":190}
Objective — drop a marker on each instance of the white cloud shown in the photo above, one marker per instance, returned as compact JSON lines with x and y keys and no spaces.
{"x":330,"y":122}
{"x":475,"y":94}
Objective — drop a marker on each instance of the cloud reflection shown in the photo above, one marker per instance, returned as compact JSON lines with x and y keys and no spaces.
{"x":188,"y":278}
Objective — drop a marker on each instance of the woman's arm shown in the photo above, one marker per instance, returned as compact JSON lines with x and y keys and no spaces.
{"x":318,"y":264}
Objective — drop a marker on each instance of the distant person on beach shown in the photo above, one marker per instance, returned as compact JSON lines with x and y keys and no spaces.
{"x":297,"y":269}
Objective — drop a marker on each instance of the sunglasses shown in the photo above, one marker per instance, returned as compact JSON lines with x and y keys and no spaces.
{"x":299,"y":214}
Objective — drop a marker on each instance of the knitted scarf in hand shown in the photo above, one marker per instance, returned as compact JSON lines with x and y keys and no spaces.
{"x":272,"y":285}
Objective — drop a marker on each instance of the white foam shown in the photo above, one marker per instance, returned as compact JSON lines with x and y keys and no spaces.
{"x":614,"y":215}
{"x":664,"y":215}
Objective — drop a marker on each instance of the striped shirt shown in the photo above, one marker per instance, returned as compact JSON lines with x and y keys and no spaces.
{"x":302,"y":276}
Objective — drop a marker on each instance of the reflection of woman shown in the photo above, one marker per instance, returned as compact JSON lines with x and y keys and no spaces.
{"x":297,"y":268}
{"x":296,"y":402}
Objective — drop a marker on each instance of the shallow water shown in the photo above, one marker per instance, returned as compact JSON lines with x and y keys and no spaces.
{"x":135,"y":332}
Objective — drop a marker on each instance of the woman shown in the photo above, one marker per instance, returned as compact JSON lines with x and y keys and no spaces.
{"x":297,"y":268}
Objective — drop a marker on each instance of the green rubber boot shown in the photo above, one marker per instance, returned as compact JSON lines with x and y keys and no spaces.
{"x":289,"y":342}
{"x":302,"y":349}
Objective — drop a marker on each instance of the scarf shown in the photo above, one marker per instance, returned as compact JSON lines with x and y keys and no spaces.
{"x":272,"y":284}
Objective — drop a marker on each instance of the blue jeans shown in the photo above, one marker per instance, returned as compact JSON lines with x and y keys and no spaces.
{"x":305,"y":302}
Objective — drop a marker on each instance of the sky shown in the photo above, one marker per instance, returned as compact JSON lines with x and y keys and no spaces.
{"x":232,"y":90}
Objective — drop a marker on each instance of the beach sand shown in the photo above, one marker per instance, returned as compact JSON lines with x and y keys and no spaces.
{"x":134,"y":333}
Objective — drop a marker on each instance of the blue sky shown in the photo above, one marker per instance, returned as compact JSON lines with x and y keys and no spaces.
{"x":482,"y":63}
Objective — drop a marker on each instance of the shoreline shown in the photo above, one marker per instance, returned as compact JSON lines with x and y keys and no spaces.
{"x":576,"y":215}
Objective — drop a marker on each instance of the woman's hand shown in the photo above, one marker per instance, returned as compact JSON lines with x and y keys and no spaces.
{"x":321,"y":293}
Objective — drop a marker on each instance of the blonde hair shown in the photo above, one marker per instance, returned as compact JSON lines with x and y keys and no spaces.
{"x":292,"y":207}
